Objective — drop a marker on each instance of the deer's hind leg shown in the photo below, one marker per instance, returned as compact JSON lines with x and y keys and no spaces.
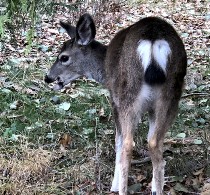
{"x":160,"y":120}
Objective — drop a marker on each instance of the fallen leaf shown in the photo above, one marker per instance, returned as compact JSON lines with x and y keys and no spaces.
{"x":200,"y":171}
{"x":180,"y":188}
{"x":101,"y":112}
{"x":15,"y":105}
{"x":141,"y":177}
{"x":134,"y":188}
{"x":65,"y":141}
{"x":172,"y":191}
{"x":55,"y":99}
{"x":181,"y":135}
{"x":198,"y":141}
{"x":65,"y":106}
{"x":53,"y":31}
{"x":196,"y":182}
{"x":206,"y":189}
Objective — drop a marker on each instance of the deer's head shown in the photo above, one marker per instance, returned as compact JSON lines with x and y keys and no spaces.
{"x":79,"y":55}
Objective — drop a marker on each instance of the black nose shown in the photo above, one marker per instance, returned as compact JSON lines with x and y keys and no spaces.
{"x":48,"y":79}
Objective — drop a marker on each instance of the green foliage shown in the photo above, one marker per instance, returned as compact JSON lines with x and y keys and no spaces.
{"x":21,"y":16}
{"x":3,"y":20}
{"x":36,"y":113}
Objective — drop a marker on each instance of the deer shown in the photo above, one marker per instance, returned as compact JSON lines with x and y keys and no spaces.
{"x":143,"y":67}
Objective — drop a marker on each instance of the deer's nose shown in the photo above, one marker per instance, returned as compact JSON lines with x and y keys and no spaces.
{"x":47,"y":79}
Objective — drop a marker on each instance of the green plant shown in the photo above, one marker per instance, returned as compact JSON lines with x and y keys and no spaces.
{"x":21,"y":16}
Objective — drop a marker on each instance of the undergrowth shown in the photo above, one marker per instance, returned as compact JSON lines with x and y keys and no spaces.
{"x":34,"y":118}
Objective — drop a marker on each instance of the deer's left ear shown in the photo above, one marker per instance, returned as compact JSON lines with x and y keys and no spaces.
{"x":85,"y":30}
{"x":71,"y":30}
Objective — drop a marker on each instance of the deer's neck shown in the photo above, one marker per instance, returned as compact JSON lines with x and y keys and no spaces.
{"x":97,"y":70}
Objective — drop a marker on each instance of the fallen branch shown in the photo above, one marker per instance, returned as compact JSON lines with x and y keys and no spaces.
{"x":147,"y":159}
{"x":196,"y":94}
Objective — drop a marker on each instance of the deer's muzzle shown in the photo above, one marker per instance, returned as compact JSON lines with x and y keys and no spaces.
{"x":48,"y":79}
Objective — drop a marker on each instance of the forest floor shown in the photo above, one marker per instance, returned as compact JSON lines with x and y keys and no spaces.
{"x":63,"y":142}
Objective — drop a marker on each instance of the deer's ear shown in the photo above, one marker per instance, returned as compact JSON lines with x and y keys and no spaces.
{"x":71,"y":30}
{"x":85,"y":30}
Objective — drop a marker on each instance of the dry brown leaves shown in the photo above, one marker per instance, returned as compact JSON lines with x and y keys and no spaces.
{"x":24,"y":170}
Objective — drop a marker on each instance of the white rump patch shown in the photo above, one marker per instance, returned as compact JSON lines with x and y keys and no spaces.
{"x":161,"y":52}
{"x":144,"y":51}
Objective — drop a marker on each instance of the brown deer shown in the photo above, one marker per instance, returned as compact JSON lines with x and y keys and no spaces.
{"x":143,"y":68}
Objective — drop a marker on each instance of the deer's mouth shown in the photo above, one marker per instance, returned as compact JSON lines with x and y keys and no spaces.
{"x":61,"y":81}
{"x":48,"y":80}
{"x":58,"y":86}
{"x":58,"y":83}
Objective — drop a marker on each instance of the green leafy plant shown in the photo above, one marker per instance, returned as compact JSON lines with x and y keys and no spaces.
{"x":21,"y":16}
{"x":3,"y":20}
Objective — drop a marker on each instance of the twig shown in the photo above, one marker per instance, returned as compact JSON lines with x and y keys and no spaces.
{"x":147,"y":159}
{"x":196,"y":94}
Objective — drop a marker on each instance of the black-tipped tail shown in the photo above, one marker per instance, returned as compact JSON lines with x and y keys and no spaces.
{"x":154,"y":75}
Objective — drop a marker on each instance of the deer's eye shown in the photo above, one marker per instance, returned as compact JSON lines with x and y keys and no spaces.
{"x":64,"y":58}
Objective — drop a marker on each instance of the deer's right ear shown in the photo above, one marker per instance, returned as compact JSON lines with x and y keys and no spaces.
{"x":71,"y":30}
{"x":85,"y":30}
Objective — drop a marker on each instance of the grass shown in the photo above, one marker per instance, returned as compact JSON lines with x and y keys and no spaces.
{"x":34,"y":118}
